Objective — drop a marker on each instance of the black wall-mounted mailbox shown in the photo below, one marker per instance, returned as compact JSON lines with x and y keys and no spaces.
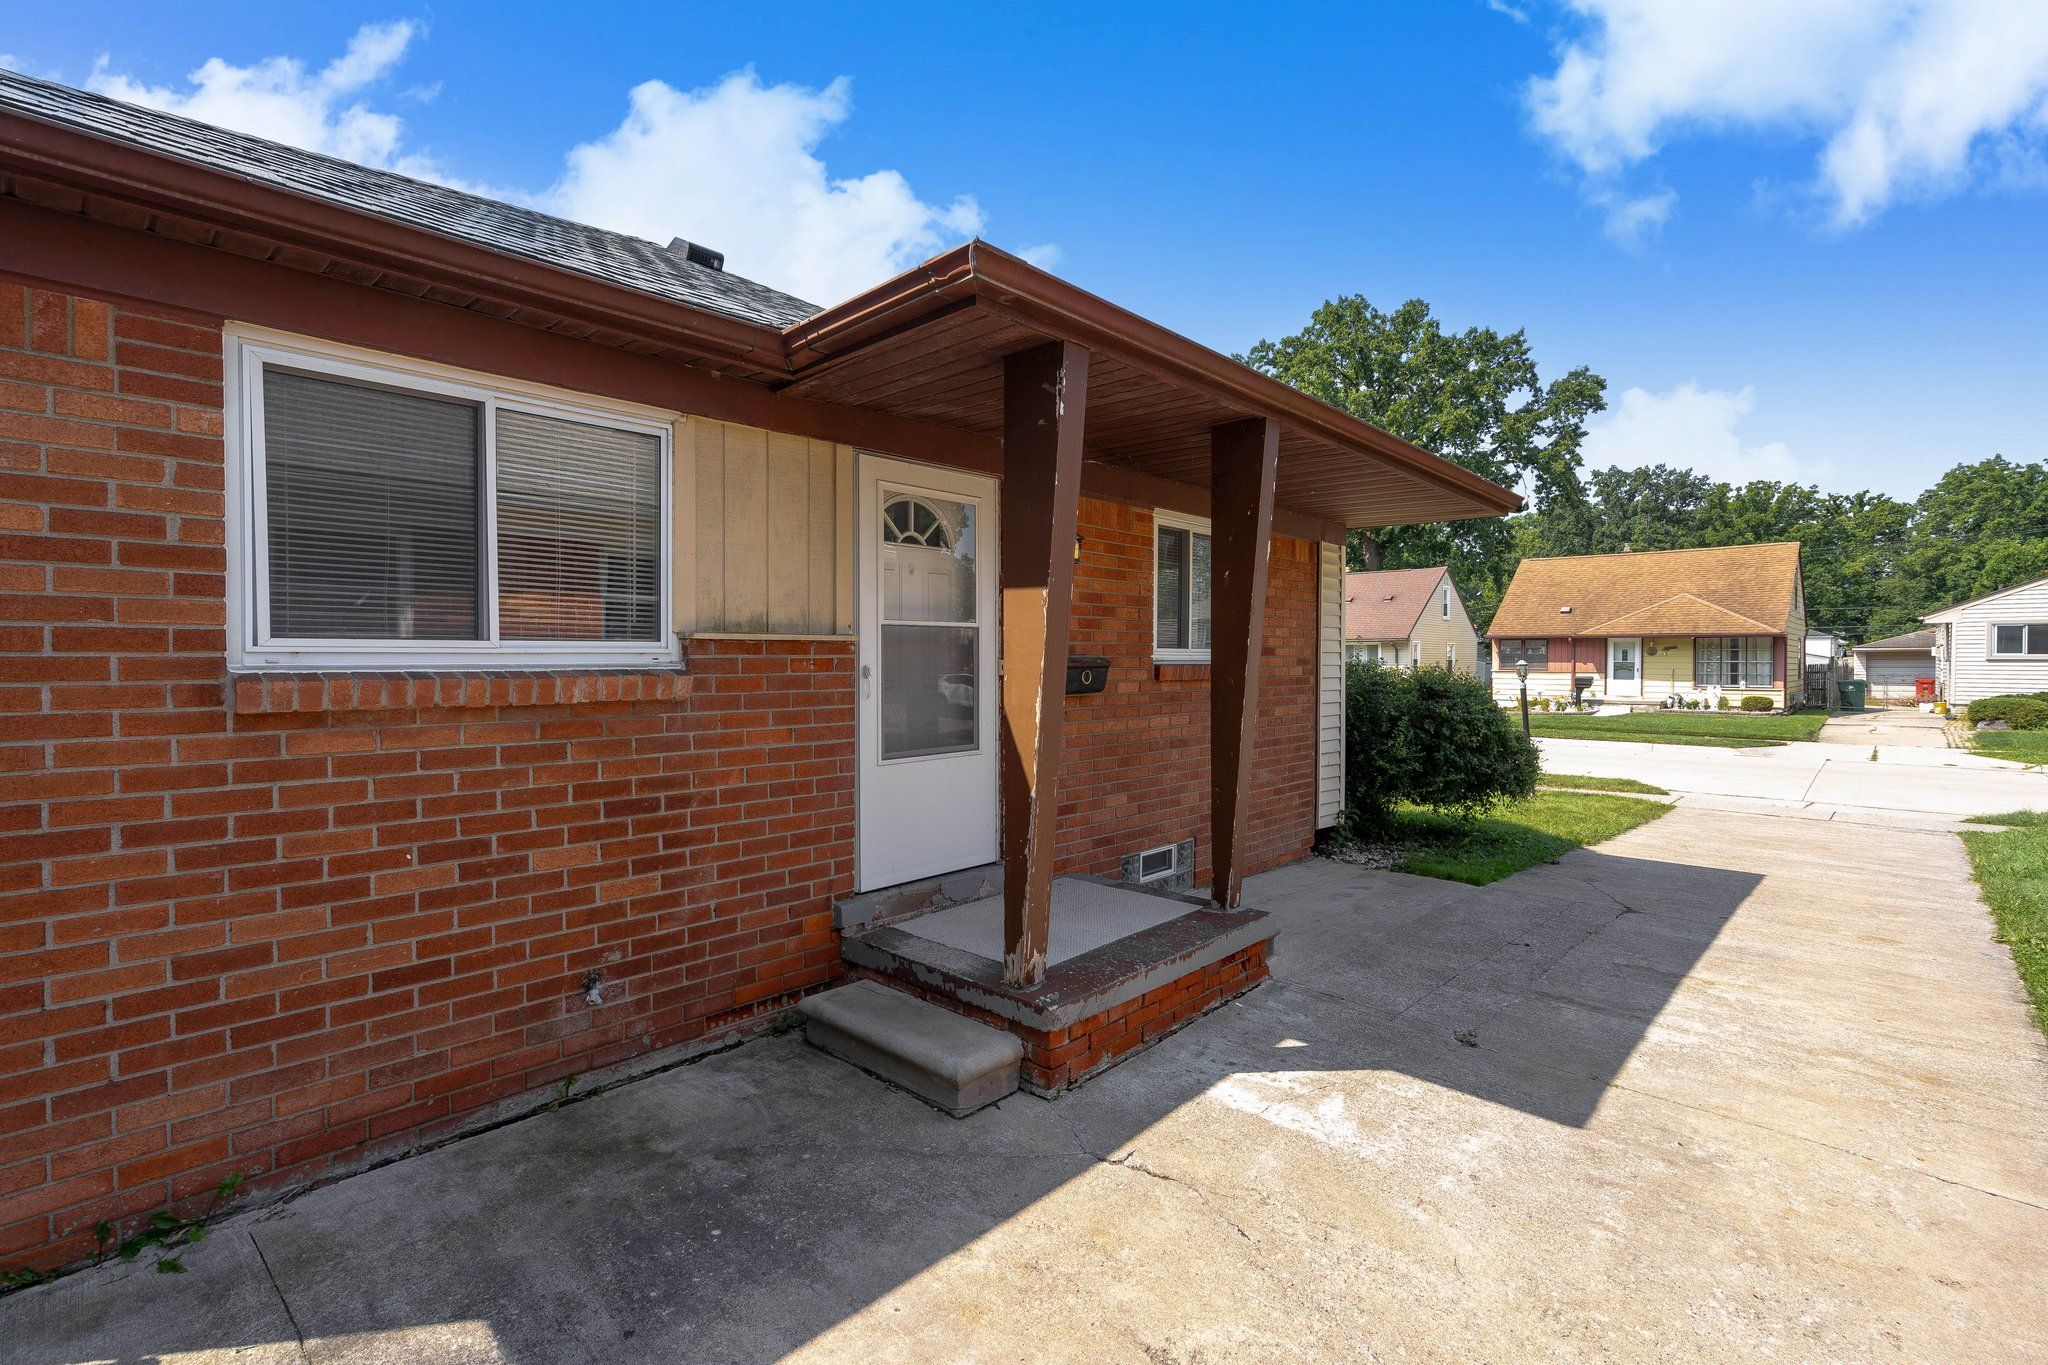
{"x":1086,"y":673}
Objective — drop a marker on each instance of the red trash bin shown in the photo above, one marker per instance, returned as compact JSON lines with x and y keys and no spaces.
{"x":1923,"y":689}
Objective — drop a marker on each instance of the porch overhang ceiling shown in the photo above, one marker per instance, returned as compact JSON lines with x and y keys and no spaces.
{"x":929,"y":344}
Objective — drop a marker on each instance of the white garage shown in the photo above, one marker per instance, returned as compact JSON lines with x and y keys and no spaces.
{"x":1894,"y":667}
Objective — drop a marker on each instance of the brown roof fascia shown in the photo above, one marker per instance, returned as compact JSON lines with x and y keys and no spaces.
{"x":105,"y":168}
{"x":1021,"y":291}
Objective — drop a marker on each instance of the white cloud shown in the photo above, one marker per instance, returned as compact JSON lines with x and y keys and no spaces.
{"x":1908,"y":98}
{"x":280,"y":99}
{"x":734,"y":165}
{"x":730,"y":164}
{"x":1631,"y":219}
{"x":1692,"y":428}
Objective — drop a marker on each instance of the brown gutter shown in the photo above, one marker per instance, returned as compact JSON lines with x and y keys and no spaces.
{"x":1019,"y":290}
{"x":155,"y":182}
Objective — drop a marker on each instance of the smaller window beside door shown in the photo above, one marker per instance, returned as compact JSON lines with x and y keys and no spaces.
{"x":1180,"y":589}
{"x":2026,"y":640}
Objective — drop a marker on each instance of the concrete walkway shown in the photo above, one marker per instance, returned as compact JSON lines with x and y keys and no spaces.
{"x":1727,"y":1087}
{"x":1945,"y":782}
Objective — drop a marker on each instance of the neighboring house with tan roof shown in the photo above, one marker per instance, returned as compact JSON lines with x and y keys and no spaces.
{"x":1645,"y":625}
{"x":1406,"y":617}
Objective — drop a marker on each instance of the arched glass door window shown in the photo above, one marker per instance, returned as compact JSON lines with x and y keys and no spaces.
{"x":930,"y":631}
{"x":908,"y":520}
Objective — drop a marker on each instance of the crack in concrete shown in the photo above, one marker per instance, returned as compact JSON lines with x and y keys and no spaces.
{"x":1129,"y":1161}
{"x":1882,"y":1162}
{"x":282,"y":1301}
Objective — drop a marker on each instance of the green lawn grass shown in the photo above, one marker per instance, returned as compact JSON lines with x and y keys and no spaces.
{"x":1731,"y":729}
{"x":1514,"y":836}
{"x":1599,"y":784}
{"x":2012,"y":870}
{"x":2016,"y":819}
{"x":2020,"y":746}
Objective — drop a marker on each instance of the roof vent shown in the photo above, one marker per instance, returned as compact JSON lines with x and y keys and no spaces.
{"x":1564,"y":611}
{"x":696,"y":253}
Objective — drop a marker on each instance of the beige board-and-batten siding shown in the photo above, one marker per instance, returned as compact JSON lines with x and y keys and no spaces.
{"x":771,"y":524}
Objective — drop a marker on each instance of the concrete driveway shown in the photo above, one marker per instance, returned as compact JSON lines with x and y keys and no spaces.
{"x":1827,"y":777}
{"x":1731,"y":1086}
{"x":1893,"y":726}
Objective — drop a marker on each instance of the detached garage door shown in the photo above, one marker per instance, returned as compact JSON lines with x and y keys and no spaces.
{"x":1892,"y":676}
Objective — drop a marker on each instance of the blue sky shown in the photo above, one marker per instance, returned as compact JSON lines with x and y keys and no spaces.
{"x":1803,"y":245}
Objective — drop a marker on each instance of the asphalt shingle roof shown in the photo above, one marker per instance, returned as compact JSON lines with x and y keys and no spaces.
{"x":1384,"y":604}
{"x":1912,"y":639}
{"x":613,"y":257}
{"x":1723,"y":590}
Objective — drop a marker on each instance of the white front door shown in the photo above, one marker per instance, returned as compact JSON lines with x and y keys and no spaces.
{"x":927,"y":671}
{"x":1624,"y":668}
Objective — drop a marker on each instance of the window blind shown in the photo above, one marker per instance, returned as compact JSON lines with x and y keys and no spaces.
{"x":371,"y":497}
{"x":1169,"y":594}
{"x":579,"y":527}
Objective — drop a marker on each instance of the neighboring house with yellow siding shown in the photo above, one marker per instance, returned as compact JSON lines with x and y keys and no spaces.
{"x":1406,"y":617}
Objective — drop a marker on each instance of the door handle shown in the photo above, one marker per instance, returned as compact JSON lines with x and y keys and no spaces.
{"x":867,"y":674}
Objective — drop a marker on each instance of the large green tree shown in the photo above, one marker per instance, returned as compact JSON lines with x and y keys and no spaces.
{"x":1474,"y":397}
{"x":1981,"y":528}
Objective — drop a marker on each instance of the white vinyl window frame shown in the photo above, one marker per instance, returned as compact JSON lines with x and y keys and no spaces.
{"x":250,"y":646}
{"x":1195,"y":526}
{"x":2030,"y":631}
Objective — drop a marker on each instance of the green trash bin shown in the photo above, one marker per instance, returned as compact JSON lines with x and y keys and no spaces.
{"x":1855,"y":691}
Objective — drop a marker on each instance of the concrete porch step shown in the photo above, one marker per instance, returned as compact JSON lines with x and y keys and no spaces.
{"x":942,"y":1058}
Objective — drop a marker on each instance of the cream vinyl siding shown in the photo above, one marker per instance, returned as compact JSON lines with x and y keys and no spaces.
{"x":1330,"y":688}
{"x":1971,"y":672}
{"x":1667,"y":669}
{"x":1434,"y":632}
{"x":769,"y":520}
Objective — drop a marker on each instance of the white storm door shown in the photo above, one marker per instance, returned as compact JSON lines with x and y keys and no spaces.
{"x":1624,"y":668}
{"x":927,"y":671}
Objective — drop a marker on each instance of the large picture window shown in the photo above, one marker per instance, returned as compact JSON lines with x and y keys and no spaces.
{"x":392,"y":518}
{"x":1732,"y":661}
{"x":1536,"y":653}
{"x":2019,"y":641}
{"x":1180,"y":589}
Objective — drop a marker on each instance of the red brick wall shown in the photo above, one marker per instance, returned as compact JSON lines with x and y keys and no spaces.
{"x":1136,"y":773}
{"x":268,"y":930}
{"x":285,"y":941}
{"x":1055,"y":1060}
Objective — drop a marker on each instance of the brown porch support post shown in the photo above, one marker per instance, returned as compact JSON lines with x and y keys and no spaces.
{"x":1045,"y":396}
{"x":1243,"y":457}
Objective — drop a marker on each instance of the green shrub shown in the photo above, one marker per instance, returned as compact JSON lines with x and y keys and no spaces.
{"x":2020,"y":710}
{"x":1723,"y":704}
{"x":1429,"y":737}
{"x":1758,"y":704}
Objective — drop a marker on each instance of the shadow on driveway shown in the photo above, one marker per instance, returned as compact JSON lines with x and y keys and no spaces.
{"x":738,"y":1208}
